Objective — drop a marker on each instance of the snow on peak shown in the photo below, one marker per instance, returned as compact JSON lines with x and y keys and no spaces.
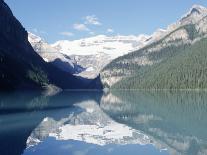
{"x":159,"y":33}
{"x":198,"y":7}
{"x":34,"y":38}
{"x":50,"y":54}
{"x":114,"y":46}
{"x":196,"y":13}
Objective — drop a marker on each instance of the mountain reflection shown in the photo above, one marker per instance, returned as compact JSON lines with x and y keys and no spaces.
{"x":87,"y":125}
{"x":175,"y":120}
{"x":22,"y":112}
{"x":117,"y":122}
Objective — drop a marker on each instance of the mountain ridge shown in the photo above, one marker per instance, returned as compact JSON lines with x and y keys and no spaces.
{"x":185,"y":32}
{"x":94,"y":53}
{"x":50,"y":54}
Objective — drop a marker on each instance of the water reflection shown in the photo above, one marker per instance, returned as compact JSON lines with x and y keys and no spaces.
{"x":21,"y":113}
{"x":175,"y":120}
{"x":91,"y":123}
{"x":86,"y":129}
{"x":87,"y":123}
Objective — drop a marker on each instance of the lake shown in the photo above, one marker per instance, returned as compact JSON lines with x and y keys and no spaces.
{"x":104,"y":123}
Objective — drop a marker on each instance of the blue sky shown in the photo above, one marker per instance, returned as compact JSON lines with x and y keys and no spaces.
{"x":73,"y":19}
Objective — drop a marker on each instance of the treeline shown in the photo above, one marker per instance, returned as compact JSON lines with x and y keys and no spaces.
{"x":185,"y":67}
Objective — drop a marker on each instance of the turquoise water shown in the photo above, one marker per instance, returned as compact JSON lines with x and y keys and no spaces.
{"x":96,"y":123}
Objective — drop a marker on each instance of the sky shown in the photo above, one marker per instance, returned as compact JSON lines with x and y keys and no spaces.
{"x":56,"y":20}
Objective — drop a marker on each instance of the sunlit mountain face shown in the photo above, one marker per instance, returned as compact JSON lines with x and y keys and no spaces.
{"x":86,"y":57}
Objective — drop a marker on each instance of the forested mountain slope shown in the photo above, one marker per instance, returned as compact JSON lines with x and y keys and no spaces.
{"x":186,"y":70}
{"x":138,"y":69}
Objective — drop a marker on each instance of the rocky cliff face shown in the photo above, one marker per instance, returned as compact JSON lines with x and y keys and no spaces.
{"x":16,"y":55}
{"x":52,"y":55}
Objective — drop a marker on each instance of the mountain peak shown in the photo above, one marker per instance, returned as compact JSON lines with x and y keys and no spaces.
{"x":198,"y":8}
{"x":196,"y":13}
{"x":34,"y":38}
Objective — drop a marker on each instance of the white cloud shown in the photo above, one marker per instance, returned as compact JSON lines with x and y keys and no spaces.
{"x":80,"y":27}
{"x":88,"y":20}
{"x":110,"y":30}
{"x":68,"y":34}
{"x":92,"y":20}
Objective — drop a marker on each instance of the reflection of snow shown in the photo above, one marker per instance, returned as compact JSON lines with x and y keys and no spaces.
{"x":89,"y":69}
{"x":32,"y":141}
{"x":46,"y":60}
{"x":95,"y":134}
{"x":91,"y":126}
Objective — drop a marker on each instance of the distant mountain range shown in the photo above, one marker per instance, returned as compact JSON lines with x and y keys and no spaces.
{"x":177,"y":60}
{"x":89,"y":55}
{"x":168,"y":59}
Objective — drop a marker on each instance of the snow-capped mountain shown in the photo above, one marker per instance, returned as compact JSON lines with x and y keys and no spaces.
{"x":50,"y":54}
{"x":196,"y":13}
{"x":86,"y":57}
{"x":92,"y":54}
{"x":113,"y":46}
{"x":103,"y":49}
{"x":95,"y":53}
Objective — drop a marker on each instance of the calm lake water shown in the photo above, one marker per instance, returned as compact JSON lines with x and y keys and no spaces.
{"x":96,"y":123}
